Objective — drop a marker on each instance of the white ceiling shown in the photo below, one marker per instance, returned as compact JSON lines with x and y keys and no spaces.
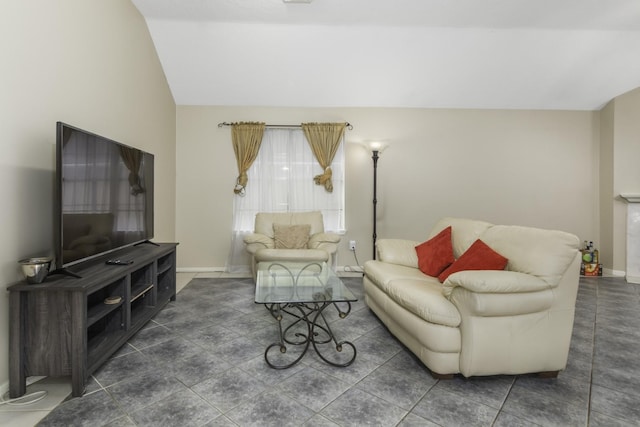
{"x":522,"y":54}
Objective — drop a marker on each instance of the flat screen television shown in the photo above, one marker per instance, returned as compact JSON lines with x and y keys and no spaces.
{"x":104,"y":196}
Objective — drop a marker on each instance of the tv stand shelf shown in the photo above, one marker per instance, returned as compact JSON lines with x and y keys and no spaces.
{"x":71,"y":326}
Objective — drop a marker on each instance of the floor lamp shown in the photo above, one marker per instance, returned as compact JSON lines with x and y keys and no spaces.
{"x":376,"y":149}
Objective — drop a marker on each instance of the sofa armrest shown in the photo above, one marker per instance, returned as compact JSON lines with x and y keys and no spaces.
{"x":255,"y":241}
{"x":493,"y":281}
{"x":319,"y":238}
{"x":487,"y":293}
{"x":398,"y":251}
{"x":325,"y":241}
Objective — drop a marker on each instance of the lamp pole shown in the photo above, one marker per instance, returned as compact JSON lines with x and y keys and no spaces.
{"x":375,"y":200}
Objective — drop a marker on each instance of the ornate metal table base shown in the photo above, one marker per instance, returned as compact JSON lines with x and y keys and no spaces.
{"x":309,"y":327}
{"x":303,"y":291}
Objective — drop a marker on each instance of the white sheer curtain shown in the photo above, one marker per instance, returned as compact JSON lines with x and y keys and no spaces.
{"x":281,"y":180}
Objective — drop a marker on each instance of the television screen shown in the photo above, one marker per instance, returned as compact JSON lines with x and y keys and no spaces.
{"x":104,"y":198}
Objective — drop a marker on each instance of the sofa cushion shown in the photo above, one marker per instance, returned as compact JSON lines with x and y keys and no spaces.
{"x":479,"y":256}
{"x":381,"y":273}
{"x":463,"y":232}
{"x":424,"y":298}
{"x":436,"y":254}
{"x":398,"y":251}
{"x":291,"y":255}
{"x":291,"y":236}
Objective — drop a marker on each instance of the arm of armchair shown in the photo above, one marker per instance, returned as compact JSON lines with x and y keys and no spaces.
{"x":497,"y":292}
{"x":255,"y":241}
{"x":326,"y":241}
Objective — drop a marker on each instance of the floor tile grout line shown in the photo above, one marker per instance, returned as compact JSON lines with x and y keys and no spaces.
{"x":593,"y":350}
{"x":501,"y":409}
{"x":410,"y":411}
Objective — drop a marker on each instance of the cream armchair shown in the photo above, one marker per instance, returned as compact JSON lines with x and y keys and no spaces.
{"x":290,"y":236}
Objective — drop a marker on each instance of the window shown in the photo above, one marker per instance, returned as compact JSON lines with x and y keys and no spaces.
{"x":281,"y":180}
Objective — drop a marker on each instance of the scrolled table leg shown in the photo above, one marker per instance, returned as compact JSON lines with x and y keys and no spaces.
{"x":339,"y":345}
{"x":283,"y":340}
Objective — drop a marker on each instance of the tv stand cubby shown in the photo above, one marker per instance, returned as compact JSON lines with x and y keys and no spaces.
{"x":71,"y":326}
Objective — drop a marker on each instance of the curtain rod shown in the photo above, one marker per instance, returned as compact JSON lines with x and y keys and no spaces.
{"x":349,"y":126}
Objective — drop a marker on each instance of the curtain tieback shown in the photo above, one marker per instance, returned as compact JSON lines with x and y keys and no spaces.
{"x":241,"y":183}
{"x":134,"y":184}
{"x":325,"y":179}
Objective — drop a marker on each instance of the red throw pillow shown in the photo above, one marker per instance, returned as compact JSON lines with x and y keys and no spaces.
{"x":479,"y":256}
{"x":436,"y":254}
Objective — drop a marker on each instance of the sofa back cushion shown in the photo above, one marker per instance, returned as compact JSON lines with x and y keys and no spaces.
{"x":265,"y":220}
{"x":463,"y":232}
{"x":398,"y":251}
{"x":539,"y":252}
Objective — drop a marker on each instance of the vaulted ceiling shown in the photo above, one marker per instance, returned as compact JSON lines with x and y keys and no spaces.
{"x":513,"y":54}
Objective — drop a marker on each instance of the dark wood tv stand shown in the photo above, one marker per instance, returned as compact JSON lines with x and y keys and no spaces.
{"x":71,"y":326}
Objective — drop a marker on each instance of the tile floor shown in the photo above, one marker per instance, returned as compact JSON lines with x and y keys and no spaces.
{"x":200,"y":363}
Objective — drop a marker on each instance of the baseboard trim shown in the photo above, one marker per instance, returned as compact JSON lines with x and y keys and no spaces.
{"x":610,"y":272}
{"x":633,"y":279}
{"x":4,"y":388}
{"x":200,"y":270}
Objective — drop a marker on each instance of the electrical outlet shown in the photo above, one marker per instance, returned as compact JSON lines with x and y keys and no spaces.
{"x":352,"y":245}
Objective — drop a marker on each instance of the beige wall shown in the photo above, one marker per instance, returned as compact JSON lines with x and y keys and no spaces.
{"x":91,"y":64}
{"x":535,"y":168}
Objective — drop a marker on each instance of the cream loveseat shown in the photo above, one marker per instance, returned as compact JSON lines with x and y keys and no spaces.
{"x":480,"y":322}
{"x":290,"y":236}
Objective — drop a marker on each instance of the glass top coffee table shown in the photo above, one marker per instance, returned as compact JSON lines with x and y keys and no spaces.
{"x":298,"y":294}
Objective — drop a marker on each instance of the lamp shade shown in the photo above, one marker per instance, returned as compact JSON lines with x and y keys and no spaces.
{"x":378,"y":146}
